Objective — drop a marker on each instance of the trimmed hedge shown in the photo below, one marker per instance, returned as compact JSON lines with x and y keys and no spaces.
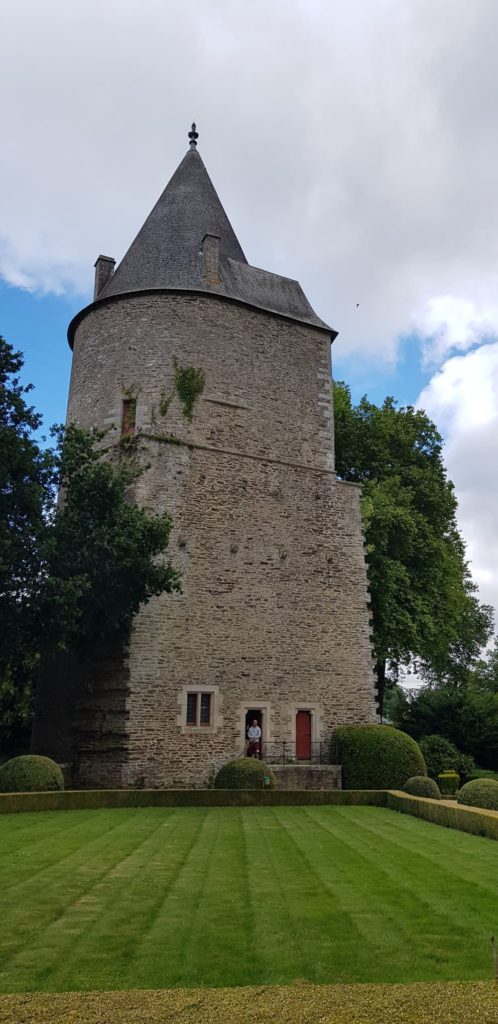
{"x":449,"y":783}
{"x":95,"y":799}
{"x":465,"y":819}
{"x":375,"y":756}
{"x":244,"y":773}
{"x":480,"y":793}
{"x":422,"y":785}
{"x":30,"y":773}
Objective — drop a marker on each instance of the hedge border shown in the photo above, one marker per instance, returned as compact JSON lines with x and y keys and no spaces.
{"x":93,"y":799}
{"x":475,"y":820}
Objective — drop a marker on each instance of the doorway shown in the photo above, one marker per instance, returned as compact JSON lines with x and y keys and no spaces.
{"x":303,"y":735}
{"x":252,"y":715}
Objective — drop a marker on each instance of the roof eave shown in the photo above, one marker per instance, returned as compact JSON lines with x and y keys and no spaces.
{"x":107,"y":300}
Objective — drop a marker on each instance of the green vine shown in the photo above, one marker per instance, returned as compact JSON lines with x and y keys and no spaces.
{"x":165,"y":439}
{"x":165,"y":403}
{"x":189,"y":383}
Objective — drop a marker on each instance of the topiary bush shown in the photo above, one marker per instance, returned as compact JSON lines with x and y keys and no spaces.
{"x":422,"y":785}
{"x":244,"y":773}
{"x":480,"y":793}
{"x":449,"y":783}
{"x":441,"y":755}
{"x":375,"y":756}
{"x":30,"y":773}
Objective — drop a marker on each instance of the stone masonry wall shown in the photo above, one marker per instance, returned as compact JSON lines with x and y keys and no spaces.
{"x":267,"y":387}
{"x":273,"y":613}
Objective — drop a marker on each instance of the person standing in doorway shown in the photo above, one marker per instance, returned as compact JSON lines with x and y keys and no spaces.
{"x":254,"y":737}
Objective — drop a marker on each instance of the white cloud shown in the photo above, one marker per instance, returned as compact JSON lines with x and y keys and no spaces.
{"x":462,"y":398}
{"x":354,"y":146}
{"x":449,"y":323}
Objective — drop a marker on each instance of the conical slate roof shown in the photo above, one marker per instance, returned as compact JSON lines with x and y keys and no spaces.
{"x":167,"y":254}
{"x":166,"y":251}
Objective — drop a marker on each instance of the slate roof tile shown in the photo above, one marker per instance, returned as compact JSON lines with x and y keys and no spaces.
{"x":167,"y":252}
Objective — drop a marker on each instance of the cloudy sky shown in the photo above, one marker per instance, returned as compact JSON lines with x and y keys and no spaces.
{"x":353,"y":144}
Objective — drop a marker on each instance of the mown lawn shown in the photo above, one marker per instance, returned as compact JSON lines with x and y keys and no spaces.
{"x":158,"y":898}
{"x":483,"y":773}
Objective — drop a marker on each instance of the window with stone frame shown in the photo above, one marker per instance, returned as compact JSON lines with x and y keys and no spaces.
{"x":192,"y":701}
{"x":205,"y":710}
{"x":199,"y":709}
{"x":128,"y":419}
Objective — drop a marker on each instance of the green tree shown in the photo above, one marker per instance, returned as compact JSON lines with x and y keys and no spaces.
{"x":441,"y":755}
{"x":424,"y":602}
{"x":74,"y":570}
{"x":101,"y":556}
{"x":26,"y":494}
{"x":465,"y":716}
{"x":484,"y":676}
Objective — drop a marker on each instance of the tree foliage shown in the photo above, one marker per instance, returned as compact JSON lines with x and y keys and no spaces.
{"x":74,"y":569}
{"x":99,"y":554}
{"x":441,"y":755}
{"x":466,"y":716}
{"x":424,"y":602}
{"x":26,"y":495}
{"x":483,"y":677}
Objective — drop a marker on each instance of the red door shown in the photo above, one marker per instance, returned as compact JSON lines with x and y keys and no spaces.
{"x":303,"y":735}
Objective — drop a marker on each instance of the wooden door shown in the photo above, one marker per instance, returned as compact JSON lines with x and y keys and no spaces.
{"x":303,"y":735}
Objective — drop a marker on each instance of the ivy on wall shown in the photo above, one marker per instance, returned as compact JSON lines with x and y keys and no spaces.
{"x":165,"y":403}
{"x":189,"y":384}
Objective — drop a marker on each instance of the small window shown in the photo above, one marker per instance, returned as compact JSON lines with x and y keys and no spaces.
{"x":192,"y":708}
{"x":199,"y":709}
{"x":205,"y":709}
{"x":129,"y":417}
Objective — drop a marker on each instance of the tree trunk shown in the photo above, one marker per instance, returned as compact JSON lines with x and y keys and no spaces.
{"x":380,"y":671}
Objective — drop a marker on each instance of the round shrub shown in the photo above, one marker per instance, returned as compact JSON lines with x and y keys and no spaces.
{"x":244,"y":773}
{"x":480,"y":793}
{"x":30,"y":773}
{"x":449,"y":783}
{"x":441,"y":755}
{"x":422,"y":785}
{"x":375,"y":756}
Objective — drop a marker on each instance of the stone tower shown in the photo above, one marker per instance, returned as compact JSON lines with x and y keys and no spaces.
{"x":272,"y":620}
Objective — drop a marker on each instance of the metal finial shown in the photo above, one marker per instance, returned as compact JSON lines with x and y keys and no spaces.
{"x":193,"y":136}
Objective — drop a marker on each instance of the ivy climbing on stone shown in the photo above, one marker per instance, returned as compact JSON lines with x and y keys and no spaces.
{"x":189,"y":383}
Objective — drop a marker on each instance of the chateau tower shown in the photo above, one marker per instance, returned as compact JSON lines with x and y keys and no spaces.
{"x":272,"y":620}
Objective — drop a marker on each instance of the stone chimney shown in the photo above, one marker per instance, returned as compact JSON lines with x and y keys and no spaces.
{"x":104,"y":269}
{"x":211,"y":259}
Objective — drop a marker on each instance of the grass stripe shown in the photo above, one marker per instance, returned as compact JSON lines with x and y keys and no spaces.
{"x":160,"y":898}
